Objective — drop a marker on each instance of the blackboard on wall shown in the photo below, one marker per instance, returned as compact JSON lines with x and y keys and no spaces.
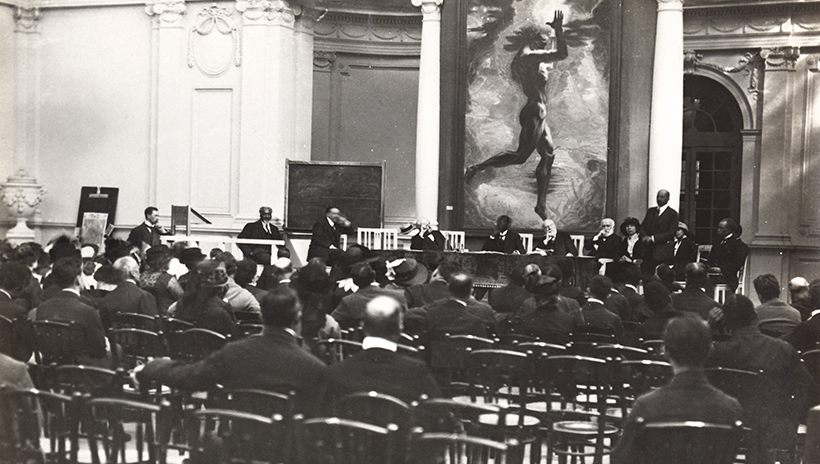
{"x":98,"y":200}
{"x":355,"y":188}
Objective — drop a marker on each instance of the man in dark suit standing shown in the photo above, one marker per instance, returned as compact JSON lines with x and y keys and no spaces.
{"x":378,"y":367}
{"x":147,"y":234}
{"x":504,"y":240}
{"x":659,"y":227}
{"x":326,"y":236}
{"x":262,"y":229}
{"x":272,"y":361}
{"x":67,"y":306}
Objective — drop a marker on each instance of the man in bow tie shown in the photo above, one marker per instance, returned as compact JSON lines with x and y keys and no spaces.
{"x":263,"y":229}
{"x":504,"y":240}
{"x":147,"y":234}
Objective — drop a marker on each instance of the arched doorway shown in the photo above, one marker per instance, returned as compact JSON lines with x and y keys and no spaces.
{"x":711,"y":156}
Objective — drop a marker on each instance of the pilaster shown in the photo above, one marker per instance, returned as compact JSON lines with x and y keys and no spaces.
{"x":27,"y":89}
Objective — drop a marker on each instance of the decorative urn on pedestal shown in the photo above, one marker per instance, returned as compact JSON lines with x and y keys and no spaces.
{"x":21,"y":194}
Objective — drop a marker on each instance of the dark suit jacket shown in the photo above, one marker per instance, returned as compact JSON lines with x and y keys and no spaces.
{"x":508,"y":299}
{"x":144,"y":234}
{"x":67,"y":306}
{"x":806,"y":335}
{"x":687,"y":253}
{"x":652,"y":328}
{"x":594,"y":313}
{"x":730,"y":256}
{"x":380,"y":370}
{"x":323,"y":236}
{"x":21,"y":345}
{"x":607,"y":247}
{"x":688,"y":397}
{"x":271,"y":361}
{"x":422,"y":294}
{"x":350,"y":310}
{"x":694,"y":300}
{"x":548,"y":322}
{"x":638,"y":311}
{"x":510,"y":243}
{"x":788,"y":387}
{"x":256,"y":230}
{"x":561,"y":245}
{"x":450,"y":316}
{"x":126,"y":298}
{"x":662,"y":228}
{"x":212,"y":314}
{"x":438,"y":242}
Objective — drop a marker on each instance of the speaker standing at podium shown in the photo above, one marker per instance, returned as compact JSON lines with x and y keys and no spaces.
{"x":147,"y":234}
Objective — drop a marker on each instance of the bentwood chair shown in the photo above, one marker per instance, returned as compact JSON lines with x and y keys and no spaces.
{"x":331,"y":440}
{"x":688,"y":442}
{"x":228,"y":436}
{"x":128,"y":431}
{"x":435,"y":448}
{"x":57,"y":342}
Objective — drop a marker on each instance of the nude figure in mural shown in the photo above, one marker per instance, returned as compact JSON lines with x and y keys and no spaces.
{"x":529,"y":69}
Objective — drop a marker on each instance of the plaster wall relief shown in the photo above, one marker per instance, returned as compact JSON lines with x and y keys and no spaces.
{"x":26,"y":20}
{"x":809,"y":217}
{"x":166,"y":12}
{"x":214,"y":44}
{"x":391,"y":35}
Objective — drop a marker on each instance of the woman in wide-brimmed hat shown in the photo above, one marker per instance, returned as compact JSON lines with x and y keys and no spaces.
{"x":406,"y":272}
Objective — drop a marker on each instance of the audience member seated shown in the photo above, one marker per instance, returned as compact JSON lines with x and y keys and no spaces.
{"x":106,"y":278}
{"x":202,"y":303}
{"x":688,"y":397}
{"x":789,"y":390}
{"x":566,"y":289}
{"x":554,"y":242}
{"x":595,"y":313}
{"x":127,"y":297}
{"x":548,"y":321}
{"x":606,"y":243}
{"x":61,"y":247}
{"x":694,"y":297}
{"x":351,"y":310}
{"x":426,"y":293}
{"x":313,"y":287}
{"x":90,"y":265}
{"x":325,"y":241}
{"x":236,"y":296}
{"x":262,"y":229}
{"x":190,"y":257}
{"x":728,"y":255}
{"x":665,"y":275}
{"x":566,"y":304}
{"x":276,"y":274}
{"x":67,"y":306}
{"x":245,"y":276}
{"x":630,"y":276}
{"x":659,"y":301}
{"x":406,"y":272}
{"x":503,"y":240}
{"x":14,"y":279}
{"x":460,"y":313}
{"x":378,"y":367}
{"x":273,"y":361}
{"x":806,"y":335}
{"x":175,"y":266}
{"x":634,"y":248}
{"x":340,"y":278}
{"x":29,"y":254}
{"x":684,"y":250}
{"x":774,"y":316}
{"x":799,"y":297}
{"x":427,"y":238}
{"x":617,"y":303}
{"x":156,"y":279}
{"x":510,"y":298}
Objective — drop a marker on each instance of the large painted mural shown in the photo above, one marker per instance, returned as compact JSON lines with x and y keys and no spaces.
{"x":537,"y":112}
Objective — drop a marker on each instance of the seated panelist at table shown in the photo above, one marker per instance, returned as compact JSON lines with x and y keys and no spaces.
{"x":263,"y":229}
{"x":326,"y":236}
{"x":554,"y":242}
{"x":504,"y":240}
{"x":427,"y":238}
{"x":606,"y":243}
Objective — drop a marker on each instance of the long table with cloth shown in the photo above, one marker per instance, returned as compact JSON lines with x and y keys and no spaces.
{"x":492,"y":270}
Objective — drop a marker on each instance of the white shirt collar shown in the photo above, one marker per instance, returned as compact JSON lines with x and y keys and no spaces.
{"x":814,"y":313}
{"x":148,"y":224}
{"x":5,"y":293}
{"x":291,"y":331}
{"x":72,"y":290}
{"x":462,"y":303}
{"x":595,"y":300}
{"x":329,"y":221}
{"x":377,"y":342}
{"x":632,"y":287}
{"x":661,"y":209}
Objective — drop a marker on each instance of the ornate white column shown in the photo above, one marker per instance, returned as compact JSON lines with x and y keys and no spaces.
{"x":26,"y":93}
{"x":427,"y":126}
{"x":666,"y":125}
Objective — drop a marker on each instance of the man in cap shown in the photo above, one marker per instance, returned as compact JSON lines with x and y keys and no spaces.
{"x":263,"y":229}
{"x":460,"y":313}
{"x":806,"y":336}
{"x":549,"y":321}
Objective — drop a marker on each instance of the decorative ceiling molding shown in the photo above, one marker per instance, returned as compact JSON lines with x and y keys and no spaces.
{"x":353,"y":33}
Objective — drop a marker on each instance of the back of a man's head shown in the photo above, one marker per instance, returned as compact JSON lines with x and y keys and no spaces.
{"x":460,"y":285}
{"x":126,"y":268}
{"x":245,"y":272}
{"x":229,"y":260}
{"x":65,"y":271}
{"x":280,"y":307}
{"x":362,"y":274}
{"x":687,"y":341}
{"x":799,"y":289}
{"x":656,"y":296}
{"x":600,"y":287}
{"x":14,"y":276}
{"x":697,"y":274}
{"x":631,"y":274}
{"x":739,"y":312}
{"x":382,"y":318}
{"x":767,"y":287}
{"x":446,"y":268}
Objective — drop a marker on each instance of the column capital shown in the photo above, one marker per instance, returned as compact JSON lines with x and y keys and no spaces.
{"x":283,"y":12}
{"x":428,"y":6}
{"x":168,"y":11}
{"x":665,"y":5}
{"x":780,"y":58}
{"x":253,"y":9}
{"x":26,"y":19}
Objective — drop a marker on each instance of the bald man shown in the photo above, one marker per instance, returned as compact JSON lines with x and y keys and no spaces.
{"x":427,"y":238}
{"x":379,"y":367}
{"x":263,"y":229}
{"x":554,"y":242}
{"x":658,"y":228}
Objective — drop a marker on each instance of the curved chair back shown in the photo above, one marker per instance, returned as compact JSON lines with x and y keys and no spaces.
{"x":195,"y":344}
{"x":686,"y":442}
{"x":57,"y":342}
